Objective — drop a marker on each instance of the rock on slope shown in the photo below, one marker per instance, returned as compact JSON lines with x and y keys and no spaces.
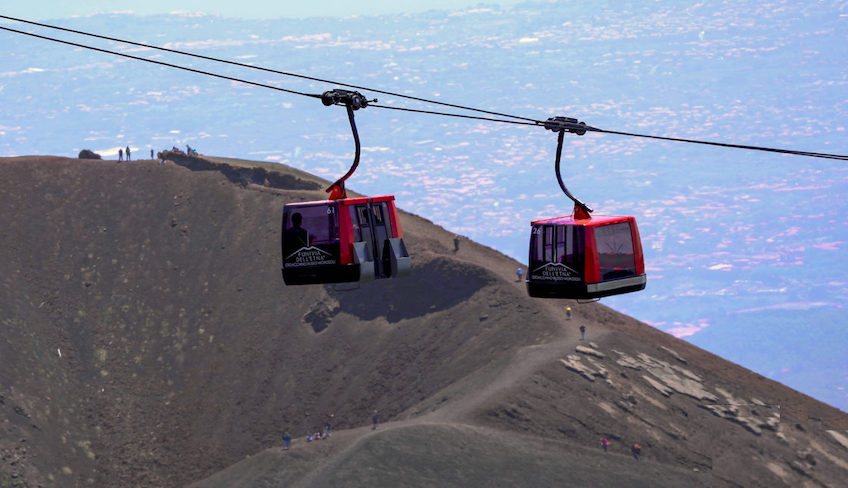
{"x":148,"y":340}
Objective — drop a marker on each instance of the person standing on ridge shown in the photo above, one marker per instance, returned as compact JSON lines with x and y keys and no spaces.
{"x":636,"y":450}
{"x":120,"y":154}
{"x":582,"y":332}
{"x":128,"y":153}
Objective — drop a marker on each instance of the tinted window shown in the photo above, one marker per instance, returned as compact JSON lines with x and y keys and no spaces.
{"x":615,"y":251}
{"x":319,"y":224}
{"x":559,"y":244}
{"x":549,"y":245}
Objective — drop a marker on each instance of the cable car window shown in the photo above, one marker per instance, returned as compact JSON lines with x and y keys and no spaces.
{"x":615,"y":251}
{"x":381,"y":212}
{"x":549,"y":244}
{"x":363,"y":215}
{"x":537,"y":243}
{"x":560,"y":243}
{"x":354,"y":220}
{"x":574,"y":244}
{"x":308,"y":226}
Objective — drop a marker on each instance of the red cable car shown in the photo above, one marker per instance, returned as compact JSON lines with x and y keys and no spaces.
{"x":343,"y":239}
{"x":337,"y":241}
{"x":585,"y":257}
{"x":580,"y":256}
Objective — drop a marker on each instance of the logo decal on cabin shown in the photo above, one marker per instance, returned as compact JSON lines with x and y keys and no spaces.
{"x":555,"y":272}
{"x":309,"y":256}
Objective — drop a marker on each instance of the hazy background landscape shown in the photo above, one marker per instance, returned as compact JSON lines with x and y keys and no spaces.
{"x":745,"y":250}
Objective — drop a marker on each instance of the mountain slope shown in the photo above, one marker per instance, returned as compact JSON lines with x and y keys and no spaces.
{"x":148,"y":340}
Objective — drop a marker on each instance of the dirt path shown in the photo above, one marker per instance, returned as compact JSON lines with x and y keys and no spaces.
{"x":523,"y":364}
{"x":328,"y":455}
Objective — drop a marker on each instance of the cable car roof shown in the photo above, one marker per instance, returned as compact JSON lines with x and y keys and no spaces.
{"x":345,"y":201}
{"x":595,"y":220}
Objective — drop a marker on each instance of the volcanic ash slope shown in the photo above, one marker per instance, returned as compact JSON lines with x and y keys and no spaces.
{"x":148,"y":340}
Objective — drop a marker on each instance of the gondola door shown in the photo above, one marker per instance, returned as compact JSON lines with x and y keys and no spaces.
{"x":373,"y":227}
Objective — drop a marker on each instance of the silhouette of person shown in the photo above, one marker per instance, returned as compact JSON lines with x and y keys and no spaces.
{"x":636,"y":450}
{"x":375,"y":420}
{"x":605,"y":444}
{"x":128,"y":153}
{"x":455,"y":243}
{"x":120,"y":154}
{"x":151,"y":153}
{"x":582,"y":332}
{"x":520,"y":273}
{"x":296,"y":236}
{"x":286,"y":441}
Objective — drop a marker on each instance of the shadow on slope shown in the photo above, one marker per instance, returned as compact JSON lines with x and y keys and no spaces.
{"x":455,"y":281}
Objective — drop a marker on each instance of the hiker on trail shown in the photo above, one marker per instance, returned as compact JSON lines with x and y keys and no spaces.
{"x":582,"y":332}
{"x":636,"y":450}
{"x":568,"y":313}
{"x":120,"y":154}
{"x":286,"y":441}
{"x":519,"y":272}
{"x":455,"y":243}
{"x":605,"y":443}
{"x":327,"y":428}
{"x":128,"y":153}
{"x":375,"y":419}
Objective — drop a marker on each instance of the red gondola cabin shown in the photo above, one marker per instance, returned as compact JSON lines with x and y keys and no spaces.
{"x":585,"y":258}
{"x":336,"y":241}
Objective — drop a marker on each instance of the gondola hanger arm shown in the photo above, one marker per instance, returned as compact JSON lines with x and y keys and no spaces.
{"x":352,"y":100}
{"x":561,"y":125}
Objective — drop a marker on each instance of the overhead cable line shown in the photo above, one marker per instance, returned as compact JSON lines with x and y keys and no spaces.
{"x":580,"y":128}
{"x":793,"y":152}
{"x":269,"y":70}
{"x":241,"y":80}
{"x":162,"y":63}
{"x":461,"y":116}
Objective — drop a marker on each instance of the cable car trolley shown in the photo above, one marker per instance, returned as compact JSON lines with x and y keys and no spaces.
{"x":581,"y":256}
{"x":343,"y":239}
